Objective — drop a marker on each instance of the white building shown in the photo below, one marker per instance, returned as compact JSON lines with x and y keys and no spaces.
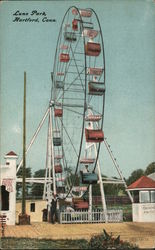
{"x":8,"y":188}
{"x":143,"y":207}
{"x":8,"y":205}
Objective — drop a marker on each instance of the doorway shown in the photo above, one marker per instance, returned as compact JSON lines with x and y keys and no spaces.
{"x":4,"y":198}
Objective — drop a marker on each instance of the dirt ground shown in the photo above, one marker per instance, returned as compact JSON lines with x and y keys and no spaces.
{"x":142,"y":234}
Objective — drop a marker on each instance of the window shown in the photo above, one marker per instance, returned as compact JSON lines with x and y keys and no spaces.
{"x":152,"y":196}
{"x":32,"y":207}
{"x":144,"y":197}
{"x":147,"y":196}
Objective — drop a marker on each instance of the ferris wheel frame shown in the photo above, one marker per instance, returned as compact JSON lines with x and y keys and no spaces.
{"x":54,"y":77}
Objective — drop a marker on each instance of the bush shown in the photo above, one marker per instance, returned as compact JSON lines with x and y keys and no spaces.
{"x":107,"y":241}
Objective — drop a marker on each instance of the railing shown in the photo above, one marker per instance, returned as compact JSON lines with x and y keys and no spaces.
{"x":93,"y":217}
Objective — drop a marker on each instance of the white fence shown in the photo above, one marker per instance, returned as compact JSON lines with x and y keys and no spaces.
{"x":93,"y":217}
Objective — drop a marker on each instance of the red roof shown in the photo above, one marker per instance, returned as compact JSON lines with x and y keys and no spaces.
{"x":11,"y":153}
{"x":142,"y":182}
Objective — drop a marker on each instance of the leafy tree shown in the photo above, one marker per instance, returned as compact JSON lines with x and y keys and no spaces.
{"x":37,"y":188}
{"x":113,"y":189}
{"x":96,"y":190}
{"x":27,"y":185}
{"x":71,"y":177}
{"x":135,"y":175}
{"x":150,"y":168}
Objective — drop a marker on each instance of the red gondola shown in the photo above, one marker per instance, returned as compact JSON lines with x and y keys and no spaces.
{"x":90,"y":33}
{"x":93,"y":135}
{"x":93,"y":118}
{"x":75,"y":24}
{"x":81,"y":205}
{"x":60,"y":73}
{"x":77,"y":199}
{"x":58,"y":169}
{"x":92,"y":49}
{"x":64,"y":57}
{"x":87,"y":161}
{"x":83,"y":12}
{"x":58,"y":112}
{"x":95,"y":71}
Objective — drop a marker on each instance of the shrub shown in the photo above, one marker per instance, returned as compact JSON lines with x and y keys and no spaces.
{"x":107,"y":241}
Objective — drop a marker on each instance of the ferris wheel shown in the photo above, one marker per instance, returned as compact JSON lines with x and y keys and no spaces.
{"x":76,"y":112}
{"x":77,"y":99}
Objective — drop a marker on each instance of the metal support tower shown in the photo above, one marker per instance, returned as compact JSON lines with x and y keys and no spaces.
{"x":117,"y":168}
{"x":89,"y":148}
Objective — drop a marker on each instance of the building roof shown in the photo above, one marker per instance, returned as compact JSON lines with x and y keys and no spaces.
{"x":11,"y":153}
{"x":142,"y":182}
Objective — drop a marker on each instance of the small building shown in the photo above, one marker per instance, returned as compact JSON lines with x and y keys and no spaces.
{"x":8,"y":188}
{"x":143,"y":192}
{"x":37,"y":209}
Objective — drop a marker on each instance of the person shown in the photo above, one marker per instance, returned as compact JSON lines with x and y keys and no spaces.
{"x":86,"y":170}
{"x":53,"y":209}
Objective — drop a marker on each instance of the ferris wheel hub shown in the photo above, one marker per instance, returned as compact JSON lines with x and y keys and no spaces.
{"x":52,"y":103}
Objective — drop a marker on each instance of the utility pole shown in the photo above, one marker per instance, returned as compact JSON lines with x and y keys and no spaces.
{"x":24,"y":219}
{"x":24,"y":146}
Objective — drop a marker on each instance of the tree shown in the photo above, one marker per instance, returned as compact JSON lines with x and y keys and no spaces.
{"x":150,"y":168}
{"x":19,"y":184}
{"x":37,"y":188}
{"x":114,"y":189}
{"x":96,"y":190}
{"x":71,"y":177}
{"x":135,"y":175}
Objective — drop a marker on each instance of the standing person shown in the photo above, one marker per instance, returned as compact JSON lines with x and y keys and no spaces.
{"x":53,"y":209}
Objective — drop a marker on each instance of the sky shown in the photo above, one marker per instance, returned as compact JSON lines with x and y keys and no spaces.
{"x":128,"y":33}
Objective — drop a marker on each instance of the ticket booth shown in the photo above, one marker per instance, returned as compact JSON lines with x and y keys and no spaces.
{"x":143,"y":192}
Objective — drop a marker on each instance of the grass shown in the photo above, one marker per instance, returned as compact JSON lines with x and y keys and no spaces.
{"x":27,"y":243}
